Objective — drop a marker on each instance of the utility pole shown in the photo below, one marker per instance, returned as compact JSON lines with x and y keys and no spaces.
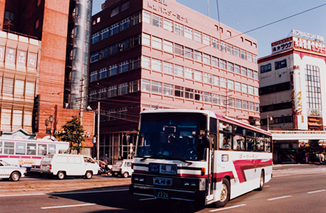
{"x":98,"y":130}
{"x":81,"y":101}
{"x":208,"y":8}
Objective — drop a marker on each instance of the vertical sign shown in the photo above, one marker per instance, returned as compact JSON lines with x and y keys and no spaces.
{"x":36,"y":112}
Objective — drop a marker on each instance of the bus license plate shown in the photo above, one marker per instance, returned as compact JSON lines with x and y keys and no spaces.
{"x":162,"y":194}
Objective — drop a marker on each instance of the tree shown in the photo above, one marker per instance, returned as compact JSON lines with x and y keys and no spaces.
{"x":73,"y":133}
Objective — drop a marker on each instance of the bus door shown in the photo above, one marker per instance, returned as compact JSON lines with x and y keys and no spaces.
{"x":212,"y":147}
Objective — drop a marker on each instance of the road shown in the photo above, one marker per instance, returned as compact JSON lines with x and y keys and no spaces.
{"x":294,"y":188}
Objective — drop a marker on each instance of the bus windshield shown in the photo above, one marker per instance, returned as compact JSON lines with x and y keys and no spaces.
{"x":179,"y":136}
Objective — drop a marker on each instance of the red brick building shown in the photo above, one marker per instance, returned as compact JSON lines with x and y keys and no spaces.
{"x":39,"y":29}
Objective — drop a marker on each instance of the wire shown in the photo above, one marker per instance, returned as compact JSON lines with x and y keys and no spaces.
{"x":274,"y":22}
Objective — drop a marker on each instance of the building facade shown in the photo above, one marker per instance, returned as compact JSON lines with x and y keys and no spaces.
{"x":34,"y":36}
{"x":152,"y":54}
{"x":292,"y":96}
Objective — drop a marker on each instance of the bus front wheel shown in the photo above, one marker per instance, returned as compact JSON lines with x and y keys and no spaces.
{"x":261,"y":181}
{"x":225,"y":193}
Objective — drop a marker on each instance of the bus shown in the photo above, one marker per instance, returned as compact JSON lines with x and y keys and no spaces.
{"x":28,"y":152}
{"x":199,"y":156}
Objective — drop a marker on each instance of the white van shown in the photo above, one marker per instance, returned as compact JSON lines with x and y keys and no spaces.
{"x":122,"y":168}
{"x":63,"y":165}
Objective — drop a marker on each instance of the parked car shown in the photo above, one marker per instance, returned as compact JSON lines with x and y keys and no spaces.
{"x":122,"y":168}
{"x":14,"y":173}
{"x":63,"y":165}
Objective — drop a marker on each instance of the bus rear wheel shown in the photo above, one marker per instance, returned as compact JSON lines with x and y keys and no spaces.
{"x":225,"y":193}
{"x":261,"y":181}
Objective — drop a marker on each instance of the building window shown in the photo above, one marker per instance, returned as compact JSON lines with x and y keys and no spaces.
{"x":102,"y":93}
{"x":168,"y":89}
{"x":123,"y":66}
{"x":134,"y":86}
{"x":231,"y":102}
{"x":188,"y":52}
{"x":237,"y":86}
{"x":29,"y":90}
{"x":104,"y":53}
{"x":178,"y":49}
{"x":206,"y":39}
{"x":237,"y":69}
{"x":9,"y":16}
{"x":125,"y":24}
{"x":114,"y":49}
{"x":146,"y":17}
{"x":114,"y":11}
{"x":95,"y":37}
{"x":250,"y":90}
{"x":135,"y":19}
{"x":223,"y":64}
{"x":189,"y":93}
{"x":156,"y":87}
{"x":145,"y":85}
{"x":222,"y":46}
{"x":135,"y":63}
{"x":215,"y":80}
{"x":207,"y":78}
{"x":113,"y":69}
{"x":207,"y":97}
{"x":114,"y":29}
{"x":197,"y":36}
{"x":250,"y":73}
{"x":230,"y":67}
{"x":178,"y":70}
{"x":236,"y":52}
{"x":156,"y":43}
{"x":178,"y":29}
{"x":188,"y":32}
{"x":188,"y":73}
{"x":19,"y":88}
{"x":251,"y":106}
{"x":167,"y":46}
{"x":104,"y":33}
{"x":94,"y":57}
{"x":216,"y":99}
{"x":244,"y":104}
{"x":255,"y":75}
{"x":157,"y":21}
{"x":198,"y":56}
{"x":92,"y":96}
{"x":245,"y":88}
{"x":167,"y":68}
{"x":135,"y":41}
{"x":254,"y":59}
{"x":313,"y":87}
{"x":198,"y":76}
{"x":122,"y":112}
{"x":244,"y":71}
{"x":206,"y":59}
{"x":214,"y":43}
{"x":93,"y":76}
{"x":124,"y":45}
{"x":214,"y":61}
{"x":198,"y":95}
{"x":243,"y":54}
{"x":178,"y":91}
{"x":125,"y":6}
{"x":249,"y":57}
{"x":238,"y":103}
{"x":256,"y":91}
{"x":230,"y":84}
{"x":146,"y":62}
{"x":168,"y":25}
{"x":265,"y":68}
{"x":229,"y":49}
{"x":103,"y":73}
{"x":146,"y":39}
{"x":123,"y":89}
{"x":223,"y":100}
{"x":223,"y":82}
{"x":157,"y":65}
{"x":280,"y":64}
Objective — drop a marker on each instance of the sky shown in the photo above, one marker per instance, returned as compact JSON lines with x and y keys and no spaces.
{"x":246,"y":15}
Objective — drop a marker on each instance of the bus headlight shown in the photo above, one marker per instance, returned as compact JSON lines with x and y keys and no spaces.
{"x":202,"y":184}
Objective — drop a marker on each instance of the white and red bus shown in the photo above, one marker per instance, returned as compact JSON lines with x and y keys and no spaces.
{"x":28,"y":152}
{"x":197,"y":155}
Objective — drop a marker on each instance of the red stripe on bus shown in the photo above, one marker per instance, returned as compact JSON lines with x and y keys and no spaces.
{"x":218,"y":177}
{"x":177,"y":175}
{"x":242,"y":165}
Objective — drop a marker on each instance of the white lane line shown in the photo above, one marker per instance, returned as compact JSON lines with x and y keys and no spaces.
{"x":316,"y":191}
{"x":69,"y":206}
{"x":62,"y":193}
{"x":151,"y":198}
{"x":277,"y":198}
{"x":231,"y":207}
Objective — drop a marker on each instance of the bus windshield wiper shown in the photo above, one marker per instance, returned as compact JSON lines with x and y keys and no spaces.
{"x":180,"y":159}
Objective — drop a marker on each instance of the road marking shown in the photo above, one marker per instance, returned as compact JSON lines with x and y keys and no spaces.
{"x":69,"y":206}
{"x":151,"y":198}
{"x":267,"y":186}
{"x":316,"y":191}
{"x":277,"y":198}
{"x":62,"y":193}
{"x":231,"y":207}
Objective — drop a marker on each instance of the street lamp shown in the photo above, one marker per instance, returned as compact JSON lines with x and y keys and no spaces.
{"x":48,"y":122}
{"x":98,"y":128}
{"x":269,"y":118}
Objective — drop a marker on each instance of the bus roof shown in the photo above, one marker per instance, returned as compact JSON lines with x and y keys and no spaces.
{"x":211,"y":114}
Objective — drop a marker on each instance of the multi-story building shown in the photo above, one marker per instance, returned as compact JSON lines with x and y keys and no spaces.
{"x":43,"y":57}
{"x":292,"y":96}
{"x":158,"y":54}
